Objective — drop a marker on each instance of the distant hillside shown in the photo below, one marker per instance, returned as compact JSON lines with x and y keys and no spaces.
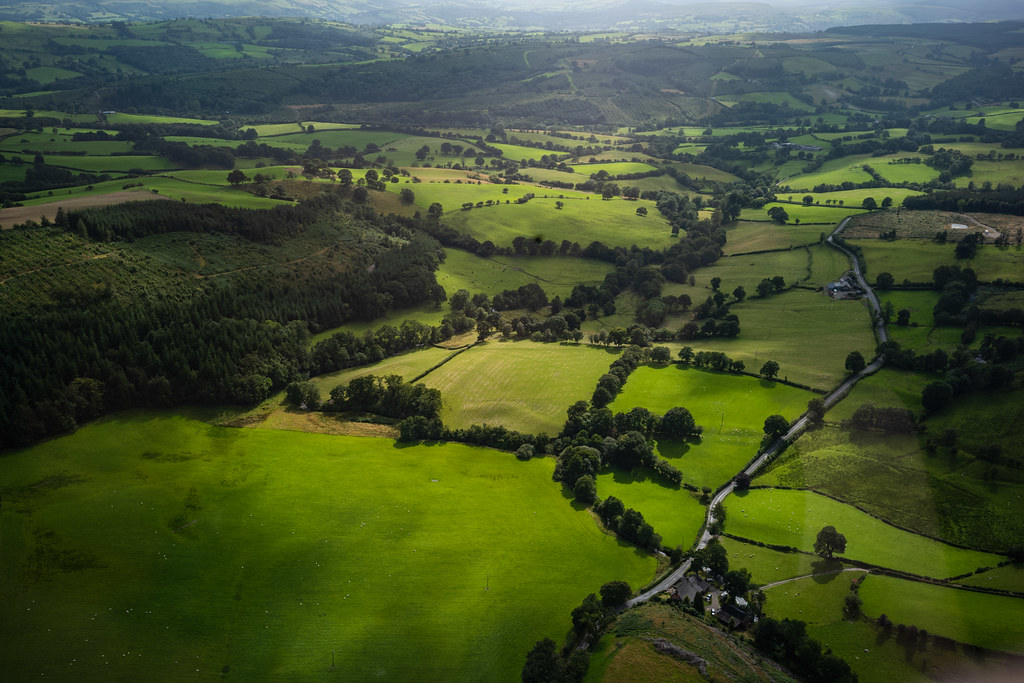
{"x":565,"y":15}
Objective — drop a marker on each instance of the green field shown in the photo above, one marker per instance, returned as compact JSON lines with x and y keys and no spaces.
{"x":807,"y":333}
{"x":612,"y":169}
{"x":1008,"y":578}
{"x":406,"y":365}
{"x":525,"y":386}
{"x":749,"y":269}
{"x":556,"y":275}
{"x":732,"y":409}
{"x":991,"y":621}
{"x":794,"y":518}
{"x":805,"y":214}
{"x":613,"y":222}
{"x":673,"y":512}
{"x":766,"y":565}
{"x":916,"y":260}
{"x":747,"y":236}
{"x":834,"y":172}
{"x":852,"y":198}
{"x":156,"y":543}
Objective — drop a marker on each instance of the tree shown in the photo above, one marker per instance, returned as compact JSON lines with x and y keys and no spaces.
{"x":936,"y":396}
{"x":714,"y":557}
{"x":678,"y":422}
{"x":778,"y":215}
{"x":869,"y":203}
{"x":585,"y":490}
{"x":641,"y":211}
{"x":614,"y":593}
{"x":775,"y":426}
{"x":855,"y":362}
{"x":742,"y":481}
{"x":716,"y":282}
{"x":770,"y":370}
{"x":808,"y":200}
{"x":739,"y":293}
{"x":736,"y":582}
{"x":884,"y":280}
{"x":435,"y":210}
{"x":887,"y":203}
{"x":237,"y":177}
{"x":543,"y":665}
{"x":816,"y":410}
{"x":829,"y":542}
{"x":407,"y":195}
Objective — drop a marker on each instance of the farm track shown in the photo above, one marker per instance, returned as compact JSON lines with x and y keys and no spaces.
{"x":795,"y":429}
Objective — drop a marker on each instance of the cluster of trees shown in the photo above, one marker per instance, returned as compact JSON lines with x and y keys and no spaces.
{"x":713,"y":360}
{"x":892,"y":420}
{"x":546,"y":664}
{"x":389,"y":395}
{"x":90,"y":352}
{"x":787,"y":642}
{"x":627,"y":523}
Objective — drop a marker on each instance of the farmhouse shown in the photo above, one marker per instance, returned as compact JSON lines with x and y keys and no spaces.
{"x":843,"y":288}
{"x":690,"y":586}
{"x":733,"y":617}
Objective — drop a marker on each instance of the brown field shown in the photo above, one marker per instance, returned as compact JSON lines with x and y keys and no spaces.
{"x":921,"y":224}
{"x":19,"y":214}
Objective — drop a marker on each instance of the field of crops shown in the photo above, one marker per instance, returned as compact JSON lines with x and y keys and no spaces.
{"x":152,"y":542}
{"x":747,"y":236}
{"x":794,"y":518}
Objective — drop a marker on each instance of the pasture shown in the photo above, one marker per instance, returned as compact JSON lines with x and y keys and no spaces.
{"x":1008,"y":578}
{"x":150,"y":542}
{"x":794,"y":518}
{"x":612,"y":168}
{"x":673,"y":512}
{"x":731,"y":408}
{"x":746,"y":236}
{"x":991,"y":621}
{"x":853,"y":198}
{"x":613,"y":222}
{"x":556,"y":275}
{"x":525,"y":386}
{"x":818,"y":215}
{"x":749,"y":269}
{"x":807,"y":333}
{"x":916,"y":260}
{"x":766,"y":565}
{"x":833,"y":172}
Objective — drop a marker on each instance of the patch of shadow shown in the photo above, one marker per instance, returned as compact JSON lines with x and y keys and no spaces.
{"x":50,"y":557}
{"x":13,"y":496}
{"x":238,"y":475}
{"x":673,"y":448}
{"x":157,"y":456}
{"x":826,"y":571}
{"x":672,"y":650}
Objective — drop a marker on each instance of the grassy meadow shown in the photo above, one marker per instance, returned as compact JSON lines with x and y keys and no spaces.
{"x":556,"y":275}
{"x":748,"y":236}
{"x":525,"y":386}
{"x":807,"y":333}
{"x":731,"y":408}
{"x":991,"y":621}
{"x":673,"y":512}
{"x":150,"y":542}
{"x":794,"y":518}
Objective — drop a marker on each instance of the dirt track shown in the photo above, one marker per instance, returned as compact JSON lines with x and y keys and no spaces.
{"x":19,"y":214}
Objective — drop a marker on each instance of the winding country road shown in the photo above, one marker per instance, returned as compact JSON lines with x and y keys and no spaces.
{"x":795,"y":429}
